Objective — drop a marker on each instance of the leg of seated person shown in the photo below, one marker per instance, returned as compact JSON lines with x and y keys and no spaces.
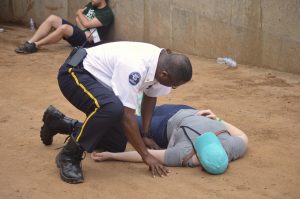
{"x":62,"y":31}
{"x":44,"y":29}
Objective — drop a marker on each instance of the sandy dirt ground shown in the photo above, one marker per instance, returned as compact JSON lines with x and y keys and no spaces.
{"x":262,"y":102}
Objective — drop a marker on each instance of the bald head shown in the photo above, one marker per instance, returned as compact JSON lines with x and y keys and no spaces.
{"x":177,"y":66}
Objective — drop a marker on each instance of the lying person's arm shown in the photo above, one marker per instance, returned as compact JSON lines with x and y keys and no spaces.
{"x":235,"y":145}
{"x":128,"y":156}
{"x":234,"y":131}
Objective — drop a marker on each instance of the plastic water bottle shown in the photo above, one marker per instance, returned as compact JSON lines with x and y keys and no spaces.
{"x":226,"y":60}
{"x":32,"y":25}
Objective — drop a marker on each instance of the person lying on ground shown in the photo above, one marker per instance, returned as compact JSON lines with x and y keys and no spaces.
{"x":166,"y":138}
{"x":177,"y":150}
{"x":92,"y":23}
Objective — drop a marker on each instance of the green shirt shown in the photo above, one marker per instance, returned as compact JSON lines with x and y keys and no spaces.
{"x":104,"y":15}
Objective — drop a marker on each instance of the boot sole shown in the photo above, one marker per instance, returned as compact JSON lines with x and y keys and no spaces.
{"x":45,"y":141}
{"x":64,"y":178}
{"x":44,"y":130}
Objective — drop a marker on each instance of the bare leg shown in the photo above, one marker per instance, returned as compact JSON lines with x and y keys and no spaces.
{"x":51,"y":22}
{"x":62,"y":31}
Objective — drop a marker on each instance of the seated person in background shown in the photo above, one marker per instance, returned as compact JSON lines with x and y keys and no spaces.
{"x":92,"y":23}
{"x":170,"y":145}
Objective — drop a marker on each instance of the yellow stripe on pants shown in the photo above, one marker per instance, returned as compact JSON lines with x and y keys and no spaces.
{"x":90,"y":95}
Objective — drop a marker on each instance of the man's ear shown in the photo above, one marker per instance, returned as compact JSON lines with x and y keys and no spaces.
{"x":164,"y":74}
{"x":169,"y":51}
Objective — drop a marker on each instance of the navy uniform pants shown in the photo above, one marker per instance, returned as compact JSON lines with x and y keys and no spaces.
{"x":104,"y":110}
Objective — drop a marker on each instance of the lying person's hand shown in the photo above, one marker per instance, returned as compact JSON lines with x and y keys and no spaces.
{"x":150,"y":143}
{"x":207,"y":113}
{"x":100,"y":156}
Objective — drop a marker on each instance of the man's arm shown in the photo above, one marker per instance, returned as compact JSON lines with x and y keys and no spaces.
{"x":78,"y":23}
{"x":131,"y":129}
{"x":84,"y":22}
{"x":148,"y":105}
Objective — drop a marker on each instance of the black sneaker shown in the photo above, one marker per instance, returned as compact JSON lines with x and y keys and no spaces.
{"x":20,"y":49}
{"x":27,"y":48}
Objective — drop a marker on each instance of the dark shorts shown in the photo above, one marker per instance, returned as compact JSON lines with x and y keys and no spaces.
{"x":78,"y":37}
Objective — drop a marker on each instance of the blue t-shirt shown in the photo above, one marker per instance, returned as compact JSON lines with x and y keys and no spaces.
{"x":158,"y":125}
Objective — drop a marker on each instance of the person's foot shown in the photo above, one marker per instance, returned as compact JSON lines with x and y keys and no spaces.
{"x":68,"y":161}
{"x":27,"y":48}
{"x":56,"y":122}
{"x":47,"y":132}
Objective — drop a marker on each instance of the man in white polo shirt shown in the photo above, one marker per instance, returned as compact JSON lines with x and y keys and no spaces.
{"x":105,"y":85}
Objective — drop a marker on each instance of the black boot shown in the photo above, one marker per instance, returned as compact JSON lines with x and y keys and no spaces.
{"x":56,"y":122}
{"x":68,"y":160}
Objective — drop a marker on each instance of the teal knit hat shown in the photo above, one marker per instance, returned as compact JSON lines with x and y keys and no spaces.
{"x":211,"y":153}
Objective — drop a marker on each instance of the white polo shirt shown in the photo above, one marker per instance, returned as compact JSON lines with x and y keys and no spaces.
{"x":128,"y":68}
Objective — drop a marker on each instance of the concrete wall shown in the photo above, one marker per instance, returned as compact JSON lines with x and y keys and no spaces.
{"x":22,"y":10}
{"x":256,"y":32}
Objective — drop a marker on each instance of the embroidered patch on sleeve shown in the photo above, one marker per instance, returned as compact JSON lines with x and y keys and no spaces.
{"x":134,"y":78}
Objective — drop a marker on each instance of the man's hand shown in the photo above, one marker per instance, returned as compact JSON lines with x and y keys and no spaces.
{"x":130,"y":126}
{"x":156,"y":168}
{"x":150,"y":143}
{"x":80,"y":11}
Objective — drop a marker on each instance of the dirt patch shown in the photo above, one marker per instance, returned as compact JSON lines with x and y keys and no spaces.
{"x":264,"y":103}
